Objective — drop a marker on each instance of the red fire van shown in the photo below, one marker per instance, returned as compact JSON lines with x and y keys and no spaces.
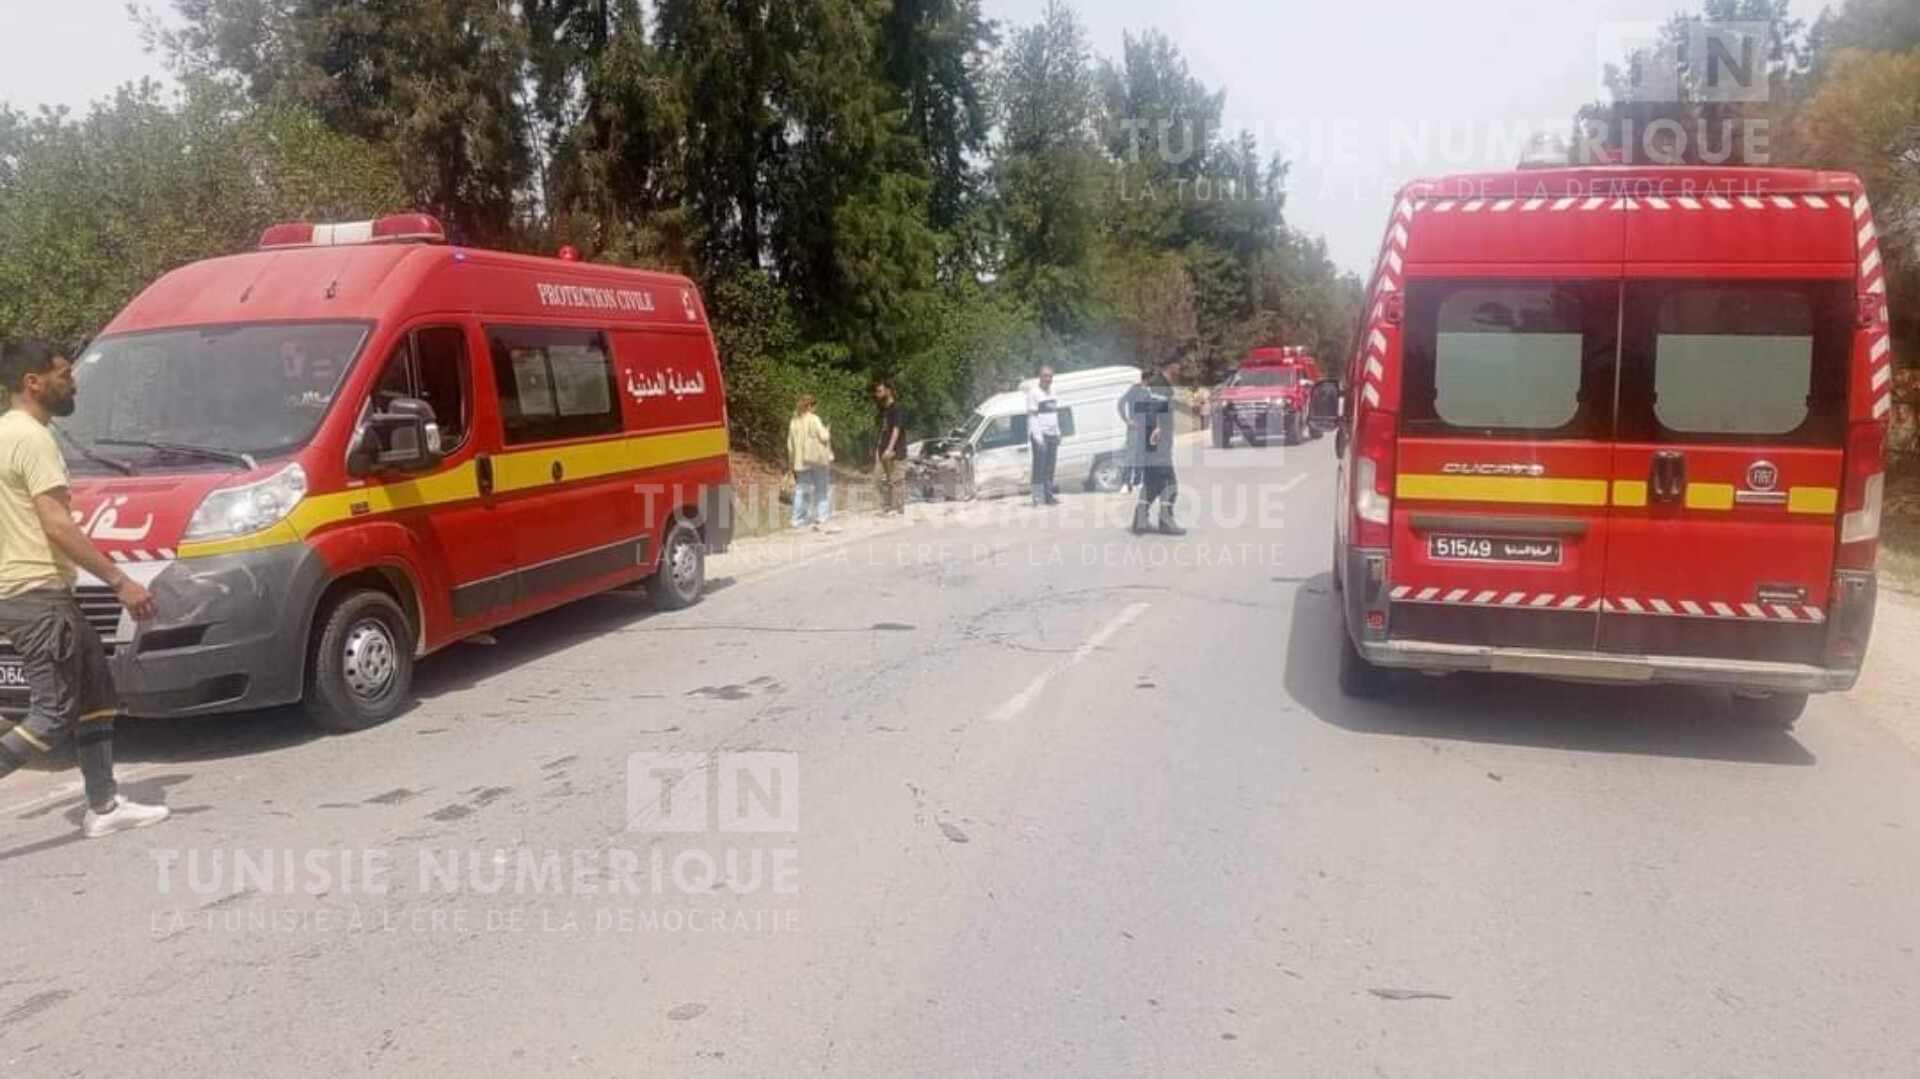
{"x":1266,"y":396}
{"x":359,"y":444}
{"x":1621,"y":424}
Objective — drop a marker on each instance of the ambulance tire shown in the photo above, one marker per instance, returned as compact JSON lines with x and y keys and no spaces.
{"x":360,"y":671}
{"x":682,"y":575}
{"x":1358,"y":678}
{"x":1777,"y":711}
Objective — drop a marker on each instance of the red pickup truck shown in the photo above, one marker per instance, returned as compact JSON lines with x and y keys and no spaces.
{"x":1265,"y":396}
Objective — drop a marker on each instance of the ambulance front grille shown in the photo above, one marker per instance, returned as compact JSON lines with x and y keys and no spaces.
{"x":102,"y":609}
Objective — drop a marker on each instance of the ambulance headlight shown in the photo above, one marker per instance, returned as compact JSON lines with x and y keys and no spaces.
{"x":242,"y":511}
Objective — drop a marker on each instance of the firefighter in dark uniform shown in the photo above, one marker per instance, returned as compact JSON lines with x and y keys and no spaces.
{"x":1158,"y":483}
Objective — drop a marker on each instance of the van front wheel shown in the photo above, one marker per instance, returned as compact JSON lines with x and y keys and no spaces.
{"x":1105,"y":476}
{"x":683,"y":569}
{"x":360,"y":672}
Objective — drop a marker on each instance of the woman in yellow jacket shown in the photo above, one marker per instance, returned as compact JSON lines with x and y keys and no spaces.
{"x":810,"y":453}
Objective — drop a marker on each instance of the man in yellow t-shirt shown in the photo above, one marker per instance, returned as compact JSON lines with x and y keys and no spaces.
{"x":61,"y":655}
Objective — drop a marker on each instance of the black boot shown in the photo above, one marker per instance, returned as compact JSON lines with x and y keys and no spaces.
{"x":1168,"y":526}
{"x":1141,"y":525}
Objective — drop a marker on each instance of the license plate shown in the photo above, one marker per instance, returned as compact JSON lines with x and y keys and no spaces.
{"x":12,"y":674}
{"x":1533,"y":552}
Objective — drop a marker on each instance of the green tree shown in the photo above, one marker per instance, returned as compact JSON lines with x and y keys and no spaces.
{"x":93,"y":210}
{"x":1048,"y":172}
{"x":438,"y":81}
{"x":935,"y":54}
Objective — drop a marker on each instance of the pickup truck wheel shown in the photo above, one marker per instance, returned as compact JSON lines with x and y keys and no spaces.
{"x":360,"y":669}
{"x":1222,"y":436}
{"x":1777,"y":711}
{"x":1358,"y":678}
{"x":683,"y":569}
{"x":1290,"y":430}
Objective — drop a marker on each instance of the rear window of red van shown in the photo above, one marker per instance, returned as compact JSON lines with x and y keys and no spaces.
{"x":1509,"y":359}
{"x":1736,"y":361}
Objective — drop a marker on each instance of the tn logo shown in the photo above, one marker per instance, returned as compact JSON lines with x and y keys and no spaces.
{"x":723,"y":792}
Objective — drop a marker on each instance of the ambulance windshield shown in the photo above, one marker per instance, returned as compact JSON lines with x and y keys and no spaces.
{"x":253,"y":389}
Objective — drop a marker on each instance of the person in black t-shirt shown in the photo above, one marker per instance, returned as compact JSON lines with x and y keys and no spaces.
{"x":892,"y":449}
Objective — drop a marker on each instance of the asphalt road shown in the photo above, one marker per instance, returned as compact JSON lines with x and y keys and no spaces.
{"x":1061,"y":801}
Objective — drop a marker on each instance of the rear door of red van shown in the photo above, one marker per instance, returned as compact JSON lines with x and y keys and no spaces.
{"x":1507,"y":355}
{"x":1737,"y":334}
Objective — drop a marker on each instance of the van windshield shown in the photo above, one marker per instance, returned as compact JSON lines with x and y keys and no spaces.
{"x":253,"y":389}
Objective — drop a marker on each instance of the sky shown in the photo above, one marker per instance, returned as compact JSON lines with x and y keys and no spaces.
{"x":1361,"y":95}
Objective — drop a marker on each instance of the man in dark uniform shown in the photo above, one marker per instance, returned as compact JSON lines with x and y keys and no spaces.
{"x":1159,"y":483}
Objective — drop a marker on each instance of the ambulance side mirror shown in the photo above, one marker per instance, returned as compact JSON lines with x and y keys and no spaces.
{"x":404,"y":437}
{"x":1323,"y":406}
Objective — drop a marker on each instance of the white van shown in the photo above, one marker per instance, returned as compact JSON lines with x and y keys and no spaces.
{"x":996,"y":457}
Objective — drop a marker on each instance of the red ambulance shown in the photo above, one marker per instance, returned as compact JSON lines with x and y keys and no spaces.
{"x":359,"y":444}
{"x":1619,"y":424}
{"x":1265,"y":397}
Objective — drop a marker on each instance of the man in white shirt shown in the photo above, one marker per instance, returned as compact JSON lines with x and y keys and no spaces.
{"x":1043,"y":430}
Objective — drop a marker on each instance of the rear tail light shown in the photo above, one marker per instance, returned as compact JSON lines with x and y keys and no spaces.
{"x":1850,"y":620}
{"x":1373,"y":476}
{"x":1864,"y":496}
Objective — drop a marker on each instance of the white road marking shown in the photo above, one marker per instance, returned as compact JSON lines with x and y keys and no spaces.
{"x":1024,"y":699}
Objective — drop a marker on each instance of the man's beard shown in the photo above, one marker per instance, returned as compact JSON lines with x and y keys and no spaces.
{"x":64,"y":406}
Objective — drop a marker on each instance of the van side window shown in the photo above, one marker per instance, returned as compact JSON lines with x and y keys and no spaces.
{"x":441,"y":377}
{"x":1510,"y":357}
{"x":554,"y":383}
{"x":431,"y":365}
{"x":1735,"y":360}
{"x":1065,"y":417}
{"x":1004,"y":431}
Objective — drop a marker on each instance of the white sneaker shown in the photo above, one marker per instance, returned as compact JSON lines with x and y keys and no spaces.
{"x":123,"y":817}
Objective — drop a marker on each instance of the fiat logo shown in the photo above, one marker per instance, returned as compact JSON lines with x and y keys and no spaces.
{"x":1763,"y":476}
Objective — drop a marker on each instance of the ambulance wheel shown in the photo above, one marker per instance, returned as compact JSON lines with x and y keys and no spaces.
{"x":683,"y":569}
{"x":1358,"y":678}
{"x":1105,"y":476}
{"x":360,"y":672}
{"x":1776,"y":711}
